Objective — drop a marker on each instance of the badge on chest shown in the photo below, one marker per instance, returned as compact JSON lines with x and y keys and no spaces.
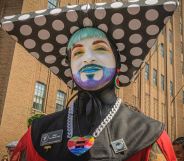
{"x":51,"y":137}
{"x":119,"y":146}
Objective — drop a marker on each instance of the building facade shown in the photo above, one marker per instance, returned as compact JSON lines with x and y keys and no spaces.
{"x":27,"y":87}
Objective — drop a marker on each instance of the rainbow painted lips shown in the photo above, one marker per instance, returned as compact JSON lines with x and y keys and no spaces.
{"x":91,"y":68}
{"x":79,"y":145}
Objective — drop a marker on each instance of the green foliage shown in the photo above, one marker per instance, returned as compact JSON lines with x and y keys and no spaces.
{"x":36,"y":116}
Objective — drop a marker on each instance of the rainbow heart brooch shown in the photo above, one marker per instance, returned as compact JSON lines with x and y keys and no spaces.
{"x":79,"y":145}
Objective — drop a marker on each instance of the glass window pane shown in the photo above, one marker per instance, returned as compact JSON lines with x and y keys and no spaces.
{"x":60,"y":100}
{"x":171,"y":88}
{"x":39,"y":96}
{"x":155,"y":77}
{"x":52,"y":3}
{"x":147,"y":71}
{"x":171,"y":57}
{"x":162,"y":82}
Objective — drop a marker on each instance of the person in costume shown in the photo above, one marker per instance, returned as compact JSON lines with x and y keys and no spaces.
{"x":98,"y":52}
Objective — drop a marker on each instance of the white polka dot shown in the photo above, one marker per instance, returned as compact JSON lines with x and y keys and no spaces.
{"x":135,"y":38}
{"x":167,"y":19}
{"x":61,"y":39}
{"x":8,"y":26}
{"x":43,"y":34}
{"x":170,"y":6}
{"x":68,"y":73}
{"x":14,"y":37}
{"x":62,"y":51}
{"x":152,"y":30}
{"x":103,"y":27}
{"x":117,"y":5}
{"x":100,"y":13}
{"x":131,"y":1}
{"x":85,"y":7}
{"x":137,"y":63}
{"x":64,"y":63}
{"x":70,"y":83}
{"x":123,"y":68}
{"x":118,"y":34}
{"x":40,"y":11}
{"x":40,"y":20}
{"x":123,"y":58}
{"x":72,"y":16}
{"x":150,"y":43}
{"x":133,"y":9}
{"x":58,"y":25}
{"x":151,"y":2}
{"x":117,"y":18}
{"x":87,"y":22}
{"x":136,"y":51}
{"x":25,"y":30}
{"x":73,"y":29}
{"x":55,"y":11}
{"x":152,"y":15}
{"x":50,"y":59}
{"x":134,"y":24}
{"x":9,"y":17}
{"x":54,"y":69}
{"x":120,"y":46}
{"x":47,"y":47}
{"x":71,"y":6}
{"x":100,"y":4}
{"x":24,"y":17}
{"x":29,"y":44}
{"x":35,"y":54}
{"x":124,"y":79}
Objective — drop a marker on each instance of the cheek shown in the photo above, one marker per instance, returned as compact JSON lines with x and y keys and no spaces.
{"x":107,"y":60}
{"x":75,"y":65}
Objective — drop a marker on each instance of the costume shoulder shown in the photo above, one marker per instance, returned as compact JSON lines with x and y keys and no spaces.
{"x":51,"y":122}
{"x":137,"y":130}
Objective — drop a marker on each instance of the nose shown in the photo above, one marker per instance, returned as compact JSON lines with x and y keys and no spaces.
{"x":89,"y":57}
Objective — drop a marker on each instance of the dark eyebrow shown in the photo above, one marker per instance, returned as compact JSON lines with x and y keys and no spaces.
{"x":77,"y":45}
{"x":99,"y":41}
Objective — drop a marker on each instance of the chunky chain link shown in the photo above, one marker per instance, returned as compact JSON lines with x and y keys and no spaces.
{"x":108,"y":118}
{"x":99,"y":129}
{"x":70,"y":122}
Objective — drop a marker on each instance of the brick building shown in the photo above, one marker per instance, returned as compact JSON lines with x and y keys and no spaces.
{"x":27,"y":87}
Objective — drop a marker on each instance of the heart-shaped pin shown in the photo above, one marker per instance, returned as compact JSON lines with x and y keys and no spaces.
{"x":79,"y":145}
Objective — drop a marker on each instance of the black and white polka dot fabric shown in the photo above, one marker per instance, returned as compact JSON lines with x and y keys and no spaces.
{"x":133,"y":27}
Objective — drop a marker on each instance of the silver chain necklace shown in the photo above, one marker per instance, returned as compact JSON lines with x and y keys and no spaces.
{"x":102,"y":125}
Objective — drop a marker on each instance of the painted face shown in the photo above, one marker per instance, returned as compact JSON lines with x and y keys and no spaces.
{"x":92,"y":63}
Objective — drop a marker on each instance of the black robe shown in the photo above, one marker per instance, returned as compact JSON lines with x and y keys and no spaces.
{"x":137,"y":130}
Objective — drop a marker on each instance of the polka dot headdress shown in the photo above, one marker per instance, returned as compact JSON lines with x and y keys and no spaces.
{"x":134,"y":27}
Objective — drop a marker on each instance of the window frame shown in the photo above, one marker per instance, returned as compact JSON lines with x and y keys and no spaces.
{"x":57,"y":100}
{"x":147,"y":71}
{"x":39,"y":96}
{"x":155,"y":75}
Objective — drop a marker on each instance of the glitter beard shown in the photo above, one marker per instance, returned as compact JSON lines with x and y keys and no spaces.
{"x":90,"y":83}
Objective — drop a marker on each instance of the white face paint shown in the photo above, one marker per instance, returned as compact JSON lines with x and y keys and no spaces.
{"x":92,"y":63}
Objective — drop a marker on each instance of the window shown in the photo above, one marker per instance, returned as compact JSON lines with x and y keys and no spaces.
{"x":171,"y":88}
{"x":170,"y":35}
{"x":162,"y":49}
{"x":162,"y":82}
{"x":171,"y":57}
{"x":60,"y":100}
{"x":147,"y":71}
{"x":39,"y":96}
{"x":53,"y":3}
{"x":155,"y":77}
